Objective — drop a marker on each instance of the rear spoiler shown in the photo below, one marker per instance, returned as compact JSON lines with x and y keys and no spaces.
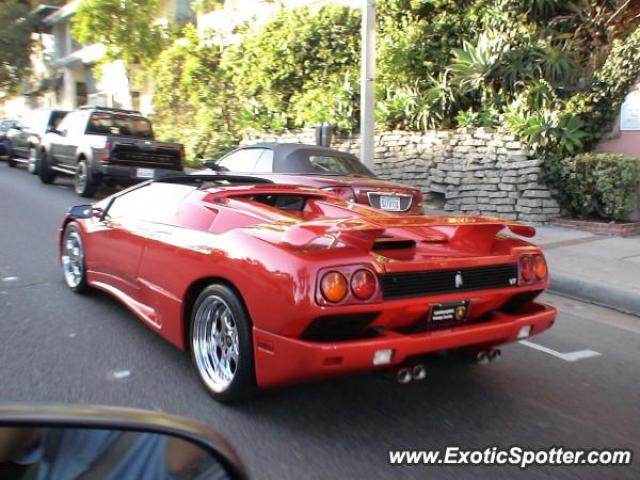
{"x":212,"y":178}
{"x":362,"y":233}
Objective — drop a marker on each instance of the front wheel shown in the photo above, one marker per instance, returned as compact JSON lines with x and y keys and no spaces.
{"x":73,"y":259}
{"x":45,"y":172}
{"x":10,"y":161}
{"x":84,"y":184}
{"x":221,"y":345}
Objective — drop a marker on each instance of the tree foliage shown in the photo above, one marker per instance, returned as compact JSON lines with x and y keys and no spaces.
{"x":193,"y":96}
{"x":300,"y":67}
{"x":126,"y":28}
{"x":15,"y":43}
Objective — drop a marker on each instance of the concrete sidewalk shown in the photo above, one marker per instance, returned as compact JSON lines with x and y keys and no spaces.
{"x":599,"y":269}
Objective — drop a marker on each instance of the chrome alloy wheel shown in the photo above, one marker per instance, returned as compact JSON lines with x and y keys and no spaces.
{"x":73,"y":258}
{"x":215,"y":343}
{"x":81,"y":177}
{"x":33,"y":158}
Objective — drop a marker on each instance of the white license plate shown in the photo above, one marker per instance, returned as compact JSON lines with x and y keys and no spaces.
{"x":145,"y":172}
{"x":388,"y":202}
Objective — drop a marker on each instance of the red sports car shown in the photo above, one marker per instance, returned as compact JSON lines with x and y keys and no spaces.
{"x":269,"y":284}
{"x":313,"y":166}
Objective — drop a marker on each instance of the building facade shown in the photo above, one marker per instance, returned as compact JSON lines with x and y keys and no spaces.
{"x":65,"y":73}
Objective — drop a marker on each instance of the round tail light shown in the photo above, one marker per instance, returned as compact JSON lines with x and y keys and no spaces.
{"x":526,"y":268}
{"x":333,"y":287}
{"x":363,"y":284}
{"x":540,"y":267}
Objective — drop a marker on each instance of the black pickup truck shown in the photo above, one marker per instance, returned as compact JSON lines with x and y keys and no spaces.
{"x":97,"y":144}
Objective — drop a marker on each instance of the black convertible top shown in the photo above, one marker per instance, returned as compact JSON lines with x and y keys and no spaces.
{"x":285,"y":149}
{"x":293,"y":157}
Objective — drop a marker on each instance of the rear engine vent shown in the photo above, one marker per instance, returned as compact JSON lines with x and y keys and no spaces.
{"x":399,"y":244}
{"x":416,"y":284}
{"x":332,"y":328}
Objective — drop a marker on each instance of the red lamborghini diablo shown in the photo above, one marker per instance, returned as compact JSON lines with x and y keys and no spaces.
{"x":270,"y":284}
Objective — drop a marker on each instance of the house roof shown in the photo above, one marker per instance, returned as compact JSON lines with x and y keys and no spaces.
{"x":60,"y":14}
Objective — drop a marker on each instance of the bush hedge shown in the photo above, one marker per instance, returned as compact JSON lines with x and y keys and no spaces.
{"x":601,"y":185}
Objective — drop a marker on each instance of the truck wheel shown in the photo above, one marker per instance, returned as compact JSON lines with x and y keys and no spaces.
{"x":46,"y":174}
{"x":32,"y":163}
{"x":84,"y":184}
{"x":221,"y":346}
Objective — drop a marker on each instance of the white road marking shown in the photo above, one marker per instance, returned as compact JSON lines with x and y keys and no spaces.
{"x":10,"y":279}
{"x":567,"y":357}
{"x":118,"y":374}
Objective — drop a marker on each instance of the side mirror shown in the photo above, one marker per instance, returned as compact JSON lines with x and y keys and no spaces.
{"x":212,"y":165}
{"x":55,"y":131}
{"x":108,"y":442}
{"x":82,"y":211}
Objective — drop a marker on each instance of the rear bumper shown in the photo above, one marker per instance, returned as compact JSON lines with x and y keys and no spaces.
{"x":281,"y":360}
{"x":126,"y":172}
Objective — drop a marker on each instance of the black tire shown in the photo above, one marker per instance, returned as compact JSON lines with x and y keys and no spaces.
{"x":10,"y":161}
{"x":243,"y":383}
{"x":32,"y":162}
{"x":46,"y":174}
{"x":79,"y":283}
{"x":84,"y":183}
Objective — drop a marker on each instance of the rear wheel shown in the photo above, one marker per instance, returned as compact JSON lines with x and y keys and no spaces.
{"x":32,"y":163}
{"x":72,"y":259}
{"x":46,"y":174}
{"x":10,"y":161}
{"x":220,"y":344}
{"x":84,"y":184}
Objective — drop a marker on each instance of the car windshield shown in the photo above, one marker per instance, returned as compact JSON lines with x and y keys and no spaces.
{"x":337,"y":165}
{"x":119,"y":124}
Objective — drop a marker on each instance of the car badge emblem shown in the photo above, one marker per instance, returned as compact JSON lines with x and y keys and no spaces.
{"x":459,"y":281}
{"x":460,"y":312}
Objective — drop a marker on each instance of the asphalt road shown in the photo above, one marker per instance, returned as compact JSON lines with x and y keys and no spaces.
{"x":60,"y":347}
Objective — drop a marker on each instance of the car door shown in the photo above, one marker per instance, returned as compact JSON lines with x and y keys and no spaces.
{"x":119,"y":238}
{"x":57,"y":140}
{"x":64,"y":146}
{"x":74,"y":137}
{"x":17,"y":138}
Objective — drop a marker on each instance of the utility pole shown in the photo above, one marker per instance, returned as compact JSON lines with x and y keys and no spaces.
{"x":367,"y":85}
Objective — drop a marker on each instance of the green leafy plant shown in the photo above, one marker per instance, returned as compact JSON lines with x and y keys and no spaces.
{"x":15,"y":44}
{"x":298,"y":51}
{"x":193,"y":96}
{"x":600,"y":184}
{"x":125,"y":28}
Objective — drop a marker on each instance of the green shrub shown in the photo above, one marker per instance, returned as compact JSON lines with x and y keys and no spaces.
{"x":601,"y":185}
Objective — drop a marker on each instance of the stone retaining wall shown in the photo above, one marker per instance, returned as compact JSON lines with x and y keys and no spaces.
{"x":476,"y":171}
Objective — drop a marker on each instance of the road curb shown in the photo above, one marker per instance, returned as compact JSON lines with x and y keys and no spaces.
{"x":616,"y":298}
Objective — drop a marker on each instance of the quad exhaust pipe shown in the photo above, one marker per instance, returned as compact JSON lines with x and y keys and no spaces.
{"x":405,"y":375}
{"x":486,"y":356}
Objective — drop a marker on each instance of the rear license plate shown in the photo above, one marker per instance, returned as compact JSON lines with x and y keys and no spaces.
{"x":145,"y":172}
{"x":451,"y":313}
{"x":389,"y":202}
